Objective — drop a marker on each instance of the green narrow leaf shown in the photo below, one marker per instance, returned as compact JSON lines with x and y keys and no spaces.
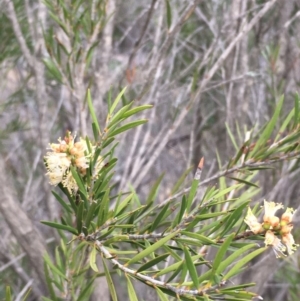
{"x":169,"y":13}
{"x":103,"y":210}
{"x":54,"y":268}
{"x":234,"y":218}
{"x":231,"y":137}
{"x":93,"y":114}
{"x":205,"y":240}
{"x":221,"y":253}
{"x":244,"y":182}
{"x":296,"y":115}
{"x":284,"y":125}
{"x":52,"y":69}
{"x":49,"y":282}
{"x":126,"y":127}
{"x":191,"y":267}
{"x":192,"y":194}
{"x":123,"y":204}
{"x":60,"y":226}
{"x":222,"y":192}
{"x":47,"y":299}
{"x":180,"y":181}
{"x":119,"y":116}
{"x":152,"y":262}
{"x":107,"y":142}
{"x":151,"y":249}
{"x":62,"y":202}
{"x":59,"y":22}
{"x":237,"y":268}
{"x":69,"y":196}
{"x":195,"y":78}
{"x":241,"y":151}
{"x":205,"y":216}
{"x":93,"y":255}
{"x":86,"y":292}
{"x":131,"y":291}
{"x":26,"y":295}
{"x":161,"y":295}
{"x":265,"y":135}
{"x":109,"y":282}
{"x":159,"y":217}
{"x":183,"y":274}
{"x":136,"y":110}
{"x":79,"y":181}
{"x":79,"y":217}
{"x":115,"y":103}
{"x":8,"y":294}
{"x":90,"y":214}
{"x":230,"y":259}
{"x":180,"y":214}
{"x":153,"y":191}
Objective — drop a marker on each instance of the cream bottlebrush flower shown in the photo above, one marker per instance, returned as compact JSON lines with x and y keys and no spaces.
{"x":252,"y":222}
{"x":289,"y":241}
{"x":65,"y":154}
{"x":57,"y":164}
{"x":287,"y":216}
{"x":272,"y":240}
{"x":286,"y":229}
{"x":270,"y":220}
{"x":70,"y":183}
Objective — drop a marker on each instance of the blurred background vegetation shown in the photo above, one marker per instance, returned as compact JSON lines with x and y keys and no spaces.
{"x":206,"y":66}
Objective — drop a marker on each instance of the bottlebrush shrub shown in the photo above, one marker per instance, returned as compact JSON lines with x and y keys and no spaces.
{"x":164,"y":245}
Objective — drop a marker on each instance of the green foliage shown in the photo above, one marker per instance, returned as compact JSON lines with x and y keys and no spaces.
{"x":163,"y":245}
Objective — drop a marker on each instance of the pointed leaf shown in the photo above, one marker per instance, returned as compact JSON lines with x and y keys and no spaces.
{"x":153,"y":191}
{"x":53,"y":267}
{"x":115,"y":103}
{"x":180,"y":181}
{"x":159,"y":217}
{"x":8,"y":294}
{"x":152,"y":262}
{"x":237,"y":268}
{"x":265,"y":135}
{"x":136,"y":110}
{"x":152,"y":248}
{"x":109,"y":282}
{"x":191,"y":267}
{"x":126,"y":127}
{"x":230,"y":259}
{"x":169,"y":13}
{"x":119,"y":116}
{"x":221,"y":253}
{"x":244,"y":182}
{"x":131,"y":290}
{"x":93,"y":255}
{"x":93,"y":113}
{"x":62,"y":202}
{"x":231,"y":137}
{"x":60,"y":226}
{"x":161,"y":295}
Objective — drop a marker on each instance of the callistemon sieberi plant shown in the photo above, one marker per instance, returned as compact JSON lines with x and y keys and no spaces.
{"x":273,"y":226}
{"x":66,"y":154}
{"x":168,"y":245}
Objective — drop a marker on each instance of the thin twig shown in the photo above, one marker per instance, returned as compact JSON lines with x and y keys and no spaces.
{"x":222,"y":173}
{"x":18,"y":33}
{"x":143,"y":31}
{"x":179,"y":291}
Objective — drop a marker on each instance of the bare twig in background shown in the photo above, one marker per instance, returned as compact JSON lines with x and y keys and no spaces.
{"x":22,"y":228}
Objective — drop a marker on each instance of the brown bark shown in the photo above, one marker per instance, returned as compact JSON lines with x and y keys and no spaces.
{"x":22,"y":228}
